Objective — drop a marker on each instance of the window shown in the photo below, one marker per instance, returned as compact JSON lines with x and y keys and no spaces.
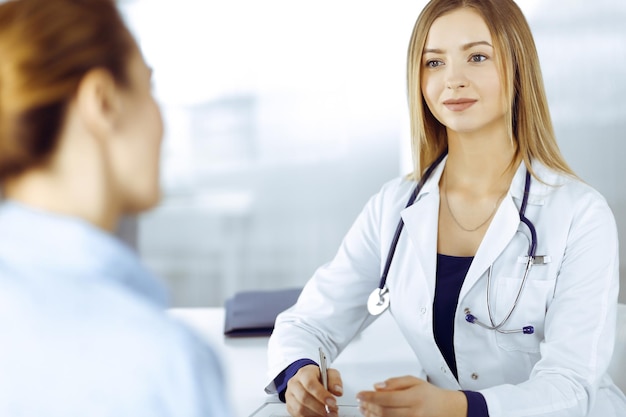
{"x":282,"y":119}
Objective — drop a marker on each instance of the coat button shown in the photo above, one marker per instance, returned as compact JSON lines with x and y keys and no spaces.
{"x":474,"y":376}
{"x":423,"y":310}
{"x":443,"y":369}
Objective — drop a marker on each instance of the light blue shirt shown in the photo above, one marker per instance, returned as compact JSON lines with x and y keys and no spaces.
{"x":83,"y":331}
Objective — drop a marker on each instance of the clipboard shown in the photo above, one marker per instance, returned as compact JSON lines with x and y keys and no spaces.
{"x":253,"y":313}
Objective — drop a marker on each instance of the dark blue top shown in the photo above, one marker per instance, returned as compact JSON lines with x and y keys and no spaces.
{"x":451,"y":271}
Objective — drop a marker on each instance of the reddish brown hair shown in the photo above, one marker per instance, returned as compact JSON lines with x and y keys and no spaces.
{"x":46,"y":47}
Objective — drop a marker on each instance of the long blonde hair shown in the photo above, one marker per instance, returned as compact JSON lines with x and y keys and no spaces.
{"x":529,"y":119}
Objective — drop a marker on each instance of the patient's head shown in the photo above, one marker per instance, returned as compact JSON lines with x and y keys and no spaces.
{"x":75,"y":98}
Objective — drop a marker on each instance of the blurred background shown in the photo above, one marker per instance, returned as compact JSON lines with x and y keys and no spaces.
{"x":284,"y":116}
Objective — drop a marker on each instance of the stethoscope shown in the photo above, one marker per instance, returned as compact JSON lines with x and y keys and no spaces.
{"x":378,"y":300}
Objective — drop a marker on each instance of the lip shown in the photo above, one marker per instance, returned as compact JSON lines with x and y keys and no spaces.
{"x":459,"y":104}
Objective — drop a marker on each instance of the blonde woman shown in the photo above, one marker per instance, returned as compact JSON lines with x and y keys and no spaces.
{"x":498,"y":264}
{"x":84,"y":331}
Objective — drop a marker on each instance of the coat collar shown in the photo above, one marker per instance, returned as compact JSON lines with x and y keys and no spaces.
{"x":538,"y":189}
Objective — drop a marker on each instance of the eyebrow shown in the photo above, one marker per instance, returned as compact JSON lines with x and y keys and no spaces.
{"x":463,"y":47}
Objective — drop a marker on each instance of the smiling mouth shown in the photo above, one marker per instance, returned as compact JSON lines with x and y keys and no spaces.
{"x":459,"y":104}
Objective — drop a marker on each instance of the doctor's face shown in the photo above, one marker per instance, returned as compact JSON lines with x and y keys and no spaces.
{"x":460,"y":80}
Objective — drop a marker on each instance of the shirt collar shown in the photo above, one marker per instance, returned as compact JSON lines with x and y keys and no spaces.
{"x":66,"y":247}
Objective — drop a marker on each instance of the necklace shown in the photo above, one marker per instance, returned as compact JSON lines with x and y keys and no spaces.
{"x":445,"y":196}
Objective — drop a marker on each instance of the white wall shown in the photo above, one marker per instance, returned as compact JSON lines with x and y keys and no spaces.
{"x":582,"y":47}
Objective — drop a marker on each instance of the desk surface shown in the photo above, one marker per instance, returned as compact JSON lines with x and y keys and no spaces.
{"x":245,"y":359}
{"x":378,"y":353}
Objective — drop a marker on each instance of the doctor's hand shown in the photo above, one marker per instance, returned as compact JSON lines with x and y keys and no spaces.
{"x":306,"y":396}
{"x":410,"y":396}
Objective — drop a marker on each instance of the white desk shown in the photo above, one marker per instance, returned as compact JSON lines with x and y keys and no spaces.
{"x":245,"y":359}
{"x":378,"y":353}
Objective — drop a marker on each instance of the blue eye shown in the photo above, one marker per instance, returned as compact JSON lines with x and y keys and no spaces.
{"x":478,"y":58}
{"x":433,"y":63}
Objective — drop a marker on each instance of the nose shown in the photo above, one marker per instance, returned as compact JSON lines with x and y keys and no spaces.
{"x":456,"y":84}
{"x":455,"y":78}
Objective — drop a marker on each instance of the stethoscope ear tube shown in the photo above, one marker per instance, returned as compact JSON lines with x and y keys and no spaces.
{"x":522,"y":216}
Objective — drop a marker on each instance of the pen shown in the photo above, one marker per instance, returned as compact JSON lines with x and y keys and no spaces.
{"x":323,"y":369}
{"x":324,"y":372}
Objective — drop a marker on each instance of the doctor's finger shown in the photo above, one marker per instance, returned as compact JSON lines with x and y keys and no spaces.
{"x":300,"y":403}
{"x":306,"y":395}
{"x":389,"y":399}
{"x":335,"y":384}
{"x":374,"y":410}
{"x":399,"y":383}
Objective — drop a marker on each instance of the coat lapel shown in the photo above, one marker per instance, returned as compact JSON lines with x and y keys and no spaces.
{"x":501,"y":230}
{"x":503,"y":227}
{"x":421,"y":225}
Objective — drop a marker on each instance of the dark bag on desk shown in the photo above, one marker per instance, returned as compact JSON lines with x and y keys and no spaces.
{"x":253,"y":313}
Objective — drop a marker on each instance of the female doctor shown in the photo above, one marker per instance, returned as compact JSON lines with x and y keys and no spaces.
{"x":498,"y":264}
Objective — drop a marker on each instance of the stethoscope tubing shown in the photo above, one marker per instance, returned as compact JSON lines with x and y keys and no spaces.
{"x":383,"y":299}
{"x":532,"y":251}
{"x":398,"y":232}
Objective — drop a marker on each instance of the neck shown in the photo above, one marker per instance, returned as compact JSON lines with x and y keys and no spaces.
{"x":45,"y":193}
{"x":76,"y":188}
{"x":484,"y":163}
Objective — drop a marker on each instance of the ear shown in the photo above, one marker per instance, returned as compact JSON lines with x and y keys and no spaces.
{"x":98,"y":102}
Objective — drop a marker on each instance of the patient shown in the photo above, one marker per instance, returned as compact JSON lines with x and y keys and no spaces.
{"x":83,"y":327}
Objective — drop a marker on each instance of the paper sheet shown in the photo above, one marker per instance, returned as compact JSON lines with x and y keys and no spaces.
{"x":280,"y":410}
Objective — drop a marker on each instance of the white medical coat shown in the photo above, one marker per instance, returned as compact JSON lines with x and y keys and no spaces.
{"x":560,"y":370}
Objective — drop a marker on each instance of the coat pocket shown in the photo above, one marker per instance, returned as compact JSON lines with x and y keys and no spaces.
{"x":530,"y":310}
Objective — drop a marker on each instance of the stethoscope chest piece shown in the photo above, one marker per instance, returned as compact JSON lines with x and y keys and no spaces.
{"x":378,"y":301}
